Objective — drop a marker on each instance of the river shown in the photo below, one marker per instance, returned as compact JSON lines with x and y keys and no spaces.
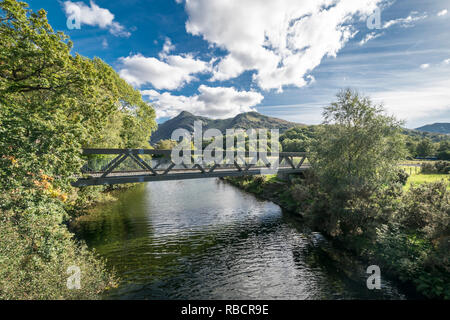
{"x":205,"y":239}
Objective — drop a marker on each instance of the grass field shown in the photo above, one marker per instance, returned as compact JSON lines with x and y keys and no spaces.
{"x":415,"y":177}
{"x":419,"y":178}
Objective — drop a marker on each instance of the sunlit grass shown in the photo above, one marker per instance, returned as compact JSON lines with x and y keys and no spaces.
{"x":419,"y":178}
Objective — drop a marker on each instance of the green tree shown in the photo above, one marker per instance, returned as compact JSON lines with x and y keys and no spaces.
{"x":354,"y":158}
{"x":52,"y":104}
{"x":165,"y":144}
{"x":443,"y":151}
{"x":425,"y":148}
{"x":359,"y":147}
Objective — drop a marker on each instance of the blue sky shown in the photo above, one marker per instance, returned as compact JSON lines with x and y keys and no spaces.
{"x":285,"y":58}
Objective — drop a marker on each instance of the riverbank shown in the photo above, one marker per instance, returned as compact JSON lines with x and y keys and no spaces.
{"x":431,"y":284}
{"x":268,"y":187}
{"x":96,"y":197}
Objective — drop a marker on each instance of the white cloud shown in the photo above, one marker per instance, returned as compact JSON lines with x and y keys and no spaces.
{"x":95,"y":16}
{"x":282,"y":40}
{"x":215,"y":102}
{"x":446,"y":61}
{"x":417,"y":103}
{"x":105,"y":44}
{"x":424,"y":66}
{"x":168,"y":72}
{"x":167,"y":47}
{"x":370,"y":36}
{"x":406,"y":22}
{"x":442,"y":13}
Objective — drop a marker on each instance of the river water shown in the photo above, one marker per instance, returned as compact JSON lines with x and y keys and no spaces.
{"x":205,"y":239}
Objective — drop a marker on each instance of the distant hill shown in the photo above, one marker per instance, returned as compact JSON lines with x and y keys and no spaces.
{"x":435,"y":137}
{"x":248,"y":120}
{"x":443,"y":128}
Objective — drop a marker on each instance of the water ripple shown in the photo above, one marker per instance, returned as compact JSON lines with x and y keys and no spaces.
{"x":203,"y":239}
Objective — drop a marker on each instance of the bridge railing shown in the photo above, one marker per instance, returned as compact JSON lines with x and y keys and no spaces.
{"x":110,"y":165}
{"x":100,"y":160}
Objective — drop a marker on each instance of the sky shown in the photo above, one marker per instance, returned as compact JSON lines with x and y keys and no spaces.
{"x":284,"y":58}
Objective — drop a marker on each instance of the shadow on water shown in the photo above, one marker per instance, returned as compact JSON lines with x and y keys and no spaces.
{"x":204,"y":239}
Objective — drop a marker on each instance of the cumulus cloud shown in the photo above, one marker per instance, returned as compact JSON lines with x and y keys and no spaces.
{"x":442,"y":13}
{"x":370,"y":36}
{"x":424,"y":66}
{"x":168,"y":72}
{"x":283,"y":41}
{"x":446,"y":61}
{"x":406,"y":22}
{"x":215,"y":102}
{"x":93,"y":15}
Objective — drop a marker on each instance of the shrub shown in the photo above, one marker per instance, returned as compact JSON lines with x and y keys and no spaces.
{"x":444,"y":155}
{"x":402,"y":177}
{"x":414,"y":244}
{"x":438,"y":167}
{"x":35,"y":253}
{"x":426,"y":210}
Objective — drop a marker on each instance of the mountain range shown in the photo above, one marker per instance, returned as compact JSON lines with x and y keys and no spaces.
{"x":248,"y":120}
{"x":443,"y":128}
{"x":255,"y":120}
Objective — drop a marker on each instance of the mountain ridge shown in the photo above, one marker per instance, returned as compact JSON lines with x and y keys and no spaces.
{"x":438,"y":127}
{"x":247,"y":120}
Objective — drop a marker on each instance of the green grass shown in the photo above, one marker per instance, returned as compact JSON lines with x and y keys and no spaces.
{"x":420,"y":178}
{"x":271,"y":178}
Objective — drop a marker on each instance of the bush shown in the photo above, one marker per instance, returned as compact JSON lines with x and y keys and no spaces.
{"x":35,"y":253}
{"x":444,"y":155}
{"x":414,"y":244}
{"x":438,"y":167}
{"x":426,"y":210}
{"x":402,"y":177}
{"x":443,"y":167}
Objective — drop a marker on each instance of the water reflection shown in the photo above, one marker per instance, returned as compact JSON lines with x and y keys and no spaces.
{"x":204,"y":239}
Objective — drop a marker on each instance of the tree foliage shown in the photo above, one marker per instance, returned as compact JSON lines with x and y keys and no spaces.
{"x":299,"y":139}
{"x":425,"y":148}
{"x":358,"y":149}
{"x":52,"y":104}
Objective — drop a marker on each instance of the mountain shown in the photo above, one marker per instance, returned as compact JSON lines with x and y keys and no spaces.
{"x":435,"y":137}
{"x":248,"y":120}
{"x":443,"y":128}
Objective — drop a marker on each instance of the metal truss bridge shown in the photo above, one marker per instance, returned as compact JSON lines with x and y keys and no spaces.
{"x":118,"y":166}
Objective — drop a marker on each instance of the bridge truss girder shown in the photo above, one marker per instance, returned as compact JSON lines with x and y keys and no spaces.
{"x":151,"y":172}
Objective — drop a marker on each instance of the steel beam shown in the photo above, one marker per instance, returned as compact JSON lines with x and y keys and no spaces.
{"x":107,"y":176}
{"x":172,"y":176}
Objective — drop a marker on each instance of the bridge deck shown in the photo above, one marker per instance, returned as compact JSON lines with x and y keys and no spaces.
{"x":147,"y":176}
